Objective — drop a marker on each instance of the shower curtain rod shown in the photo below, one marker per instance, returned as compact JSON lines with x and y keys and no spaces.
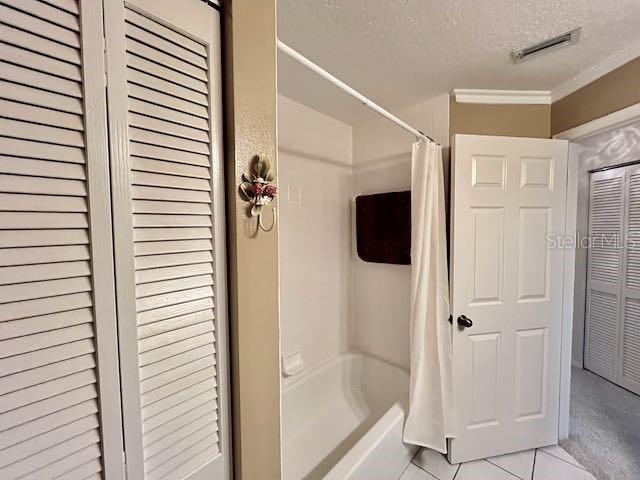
{"x":284,"y":48}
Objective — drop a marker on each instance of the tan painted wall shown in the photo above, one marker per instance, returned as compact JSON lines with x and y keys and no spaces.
{"x":505,"y":120}
{"x":251,"y":126}
{"x":612,"y":92}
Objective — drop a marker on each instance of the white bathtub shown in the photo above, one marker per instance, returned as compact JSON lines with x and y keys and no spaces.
{"x":344,"y":421}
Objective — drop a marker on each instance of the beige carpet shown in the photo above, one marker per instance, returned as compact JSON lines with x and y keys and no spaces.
{"x":604,"y":428}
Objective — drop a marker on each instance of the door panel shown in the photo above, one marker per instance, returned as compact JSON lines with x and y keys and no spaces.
{"x":59,"y":386}
{"x":164,"y":94}
{"x":629,"y":352}
{"x":612,"y":342}
{"x":606,"y":228}
{"x":508,"y":195}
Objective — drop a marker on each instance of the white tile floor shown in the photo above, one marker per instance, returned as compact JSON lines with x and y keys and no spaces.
{"x":548,"y":463}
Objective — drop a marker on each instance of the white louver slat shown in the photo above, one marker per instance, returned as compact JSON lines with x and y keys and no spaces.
{"x":606,"y":228}
{"x":606,"y":219}
{"x":631,"y":345}
{"x":602,"y":350}
{"x":164,"y":98}
{"x":59,"y":418}
{"x":632,"y":278}
{"x":629,"y":349}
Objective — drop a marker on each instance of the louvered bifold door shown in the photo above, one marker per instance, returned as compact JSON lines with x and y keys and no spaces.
{"x":606,"y":219}
{"x":59,"y":390}
{"x":629,"y":348}
{"x":164,"y":113}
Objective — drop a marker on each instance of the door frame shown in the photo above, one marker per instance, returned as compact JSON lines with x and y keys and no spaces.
{"x":574,"y":289}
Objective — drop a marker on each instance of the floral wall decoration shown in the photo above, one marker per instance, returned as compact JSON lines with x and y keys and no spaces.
{"x":259,"y":191}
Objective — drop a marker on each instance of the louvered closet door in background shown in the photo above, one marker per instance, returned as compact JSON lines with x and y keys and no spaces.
{"x":164,"y":113}
{"x":59,"y":391}
{"x":629,"y":348}
{"x":606,"y":219}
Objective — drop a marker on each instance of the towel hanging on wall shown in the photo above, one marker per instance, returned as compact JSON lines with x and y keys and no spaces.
{"x":431,"y":418}
{"x":383,"y":227}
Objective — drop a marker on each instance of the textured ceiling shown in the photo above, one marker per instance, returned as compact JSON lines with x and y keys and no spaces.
{"x":399,"y":52}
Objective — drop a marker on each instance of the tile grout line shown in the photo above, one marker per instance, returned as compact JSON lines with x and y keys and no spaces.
{"x":410,"y":462}
{"x":501,"y":468}
{"x":533,"y":470}
{"x":424,"y":469}
{"x":504,"y":470}
{"x":568,"y":463}
{"x":404,"y":471}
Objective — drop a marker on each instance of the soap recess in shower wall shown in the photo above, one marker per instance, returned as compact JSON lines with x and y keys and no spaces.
{"x":292,"y":363}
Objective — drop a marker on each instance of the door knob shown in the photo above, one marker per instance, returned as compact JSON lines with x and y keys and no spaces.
{"x":464,"y":321}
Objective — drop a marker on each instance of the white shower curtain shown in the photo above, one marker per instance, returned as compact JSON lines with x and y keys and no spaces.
{"x":431,"y":417}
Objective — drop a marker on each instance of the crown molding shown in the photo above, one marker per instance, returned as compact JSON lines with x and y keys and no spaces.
{"x":526,"y":97}
{"x":594,"y":73}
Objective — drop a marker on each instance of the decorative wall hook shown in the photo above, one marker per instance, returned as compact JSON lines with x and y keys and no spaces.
{"x":259,"y":191}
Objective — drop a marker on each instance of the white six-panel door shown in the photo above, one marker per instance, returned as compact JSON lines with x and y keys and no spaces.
{"x":508,"y":194}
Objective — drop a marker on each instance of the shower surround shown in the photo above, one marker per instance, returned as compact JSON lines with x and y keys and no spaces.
{"x":348,"y":320}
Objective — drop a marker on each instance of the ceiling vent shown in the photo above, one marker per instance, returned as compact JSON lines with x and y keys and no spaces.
{"x":568,"y":38}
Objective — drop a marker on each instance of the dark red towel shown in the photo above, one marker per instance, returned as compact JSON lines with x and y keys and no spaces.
{"x":383,"y":227}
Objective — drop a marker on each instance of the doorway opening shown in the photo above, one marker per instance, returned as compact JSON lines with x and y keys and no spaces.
{"x":612,"y":336}
{"x":604,"y":405}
